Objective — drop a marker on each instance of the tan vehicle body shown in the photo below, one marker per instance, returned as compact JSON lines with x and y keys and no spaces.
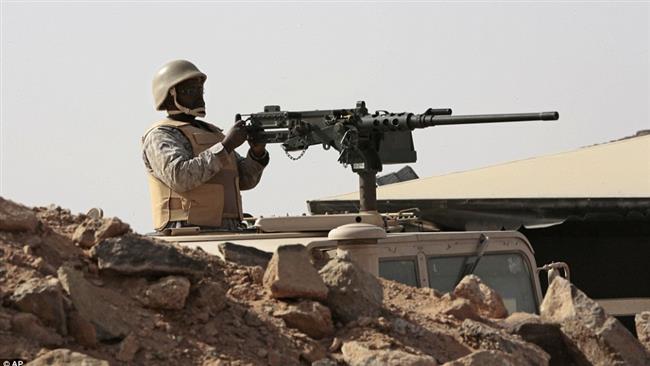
{"x":388,"y":254}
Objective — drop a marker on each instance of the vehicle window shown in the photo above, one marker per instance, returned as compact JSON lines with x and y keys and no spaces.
{"x":400,"y":270}
{"x":508,"y":274}
{"x":443,"y":272}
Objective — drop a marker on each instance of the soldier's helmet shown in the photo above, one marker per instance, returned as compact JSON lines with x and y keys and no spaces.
{"x":171,"y":74}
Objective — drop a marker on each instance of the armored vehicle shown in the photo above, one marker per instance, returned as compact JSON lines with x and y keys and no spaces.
{"x":399,"y":249}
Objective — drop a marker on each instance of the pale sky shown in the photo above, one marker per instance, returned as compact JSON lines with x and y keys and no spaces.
{"x":76,"y":85}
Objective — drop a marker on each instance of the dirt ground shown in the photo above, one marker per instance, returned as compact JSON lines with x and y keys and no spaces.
{"x":227,"y":318}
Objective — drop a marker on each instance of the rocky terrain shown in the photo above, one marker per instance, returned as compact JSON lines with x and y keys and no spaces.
{"x":81,"y":290}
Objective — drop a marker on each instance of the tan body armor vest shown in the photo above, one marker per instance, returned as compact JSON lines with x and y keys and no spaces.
{"x":207,"y":204}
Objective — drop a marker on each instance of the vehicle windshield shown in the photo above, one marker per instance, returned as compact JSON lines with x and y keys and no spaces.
{"x":507,"y":273}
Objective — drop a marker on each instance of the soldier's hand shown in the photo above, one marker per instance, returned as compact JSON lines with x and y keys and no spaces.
{"x":235,"y":136}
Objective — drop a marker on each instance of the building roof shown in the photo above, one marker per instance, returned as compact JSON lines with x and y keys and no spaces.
{"x":611,"y":170}
{"x":604,"y":181}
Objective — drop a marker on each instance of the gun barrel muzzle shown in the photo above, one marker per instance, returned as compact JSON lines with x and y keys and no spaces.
{"x":428,"y":121}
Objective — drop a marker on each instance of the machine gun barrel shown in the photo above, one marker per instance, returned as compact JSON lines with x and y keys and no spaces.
{"x":424,"y":120}
{"x":440,"y":117}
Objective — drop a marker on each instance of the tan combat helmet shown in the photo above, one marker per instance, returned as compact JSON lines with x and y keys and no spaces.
{"x":171,"y":74}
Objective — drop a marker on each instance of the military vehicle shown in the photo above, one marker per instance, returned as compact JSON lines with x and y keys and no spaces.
{"x":381,"y":245}
{"x":398,"y":246}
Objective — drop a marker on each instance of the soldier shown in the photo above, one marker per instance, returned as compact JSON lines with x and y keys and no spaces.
{"x":194,"y":173}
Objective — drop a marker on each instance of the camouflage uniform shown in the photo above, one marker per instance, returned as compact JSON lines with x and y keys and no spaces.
{"x":168,"y":156}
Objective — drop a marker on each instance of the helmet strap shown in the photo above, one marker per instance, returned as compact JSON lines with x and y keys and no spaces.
{"x":196,"y":112}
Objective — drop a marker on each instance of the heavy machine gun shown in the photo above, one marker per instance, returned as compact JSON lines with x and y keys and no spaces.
{"x":364,"y":140}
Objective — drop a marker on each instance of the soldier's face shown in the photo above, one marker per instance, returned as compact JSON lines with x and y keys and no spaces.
{"x":189,"y":93}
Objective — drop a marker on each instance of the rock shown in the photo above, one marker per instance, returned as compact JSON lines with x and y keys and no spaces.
{"x":110,"y":228}
{"x":600,"y":337}
{"x":252,"y":320}
{"x":84,"y":235}
{"x":309,"y":317}
{"x":482,"y":337}
{"x":167,"y":293}
{"x":257,"y":274}
{"x":16,"y":217}
{"x":244,"y":255}
{"x":134,"y":255}
{"x":64,"y":356}
{"x":261,"y":353}
{"x":211,"y":295}
{"x":486,"y":300}
{"x":128,"y":348}
{"x":42,"y":297}
{"x":547,"y":336}
{"x":82,"y":330}
{"x":28,"y":326}
{"x":290,"y":274}
{"x":353,"y":292}
{"x":211,"y":328}
{"x":100,"y":306}
{"x":458,"y":307}
{"x":358,"y":354}
{"x":313,"y":352}
{"x":5,"y":320}
{"x":282,"y":358}
{"x":42,"y":266}
{"x":484,"y":358}
{"x":642,"y":322}
{"x":336,"y":345}
{"x":324,"y":362}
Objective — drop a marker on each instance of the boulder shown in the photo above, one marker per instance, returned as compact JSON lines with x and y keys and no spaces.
{"x":128,"y":348}
{"x":482,"y":337}
{"x":244,"y":255}
{"x":290,"y":274}
{"x":359,"y":354}
{"x":28,"y":326}
{"x":600,"y":337}
{"x":484,"y":358}
{"x":642,"y":322}
{"x":547,"y":336}
{"x":312,"y":352}
{"x":458,"y":307}
{"x":42,"y":297}
{"x":82,"y":330}
{"x":16,"y":217}
{"x":211,"y":295}
{"x":100,"y":306}
{"x":353,"y":292}
{"x":486,"y":300}
{"x":135,"y":255}
{"x":84,"y":234}
{"x":64,"y":356}
{"x":167,"y":293}
{"x":309,"y":317}
{"x":110,"y":228}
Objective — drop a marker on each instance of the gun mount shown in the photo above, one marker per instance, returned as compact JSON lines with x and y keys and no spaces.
{"x":364,"y":140}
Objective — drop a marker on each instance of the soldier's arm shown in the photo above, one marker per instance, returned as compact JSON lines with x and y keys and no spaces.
{"x":168,"y":156}
{"x":250,"y":169}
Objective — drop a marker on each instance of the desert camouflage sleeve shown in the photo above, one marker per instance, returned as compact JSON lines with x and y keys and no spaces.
{"x":168,"y":156}
{"x":250,"y":169}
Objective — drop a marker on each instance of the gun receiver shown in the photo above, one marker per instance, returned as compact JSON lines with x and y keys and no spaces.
{"x":364,"y":140}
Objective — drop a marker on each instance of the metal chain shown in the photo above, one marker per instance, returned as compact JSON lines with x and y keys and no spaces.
{"x":296,"y":157}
